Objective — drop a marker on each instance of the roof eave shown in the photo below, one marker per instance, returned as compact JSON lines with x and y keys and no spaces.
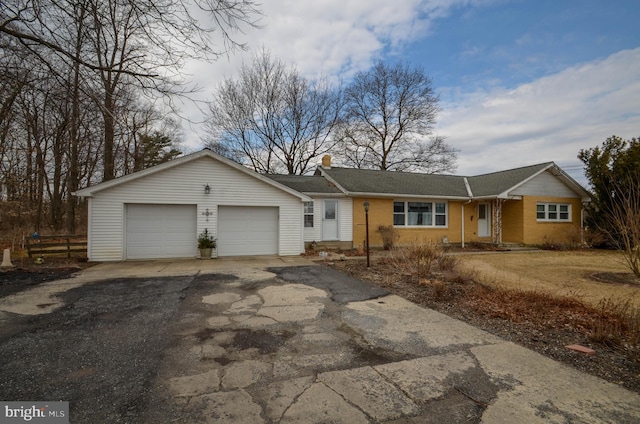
{"x":105,"y":185}
{"x":405,"y":195}
{"x":90,"y":191}
{"x":324,"y":194}
{"x":501,"y":196}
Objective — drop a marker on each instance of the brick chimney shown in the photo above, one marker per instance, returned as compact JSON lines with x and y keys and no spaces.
{"x":326,"y":161}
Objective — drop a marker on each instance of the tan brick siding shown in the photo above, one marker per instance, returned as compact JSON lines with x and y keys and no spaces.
{"x":536,"y":232}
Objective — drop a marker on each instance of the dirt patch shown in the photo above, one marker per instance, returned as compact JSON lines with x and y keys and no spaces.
{"x":28,"y":274}
{"x":517,"y":318}
{"x":16,"y":280}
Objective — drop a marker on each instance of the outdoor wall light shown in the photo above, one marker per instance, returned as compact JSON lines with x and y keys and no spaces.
{"x":207,"y":189}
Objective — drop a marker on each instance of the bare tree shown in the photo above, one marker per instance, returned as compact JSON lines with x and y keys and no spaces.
{"x":172,"y":26}
{"x":624,"y":216}
{"x":139,"y":42}
{"x":390,"y":112}
{"x":71,"y":72}
{"x":273,"y":118}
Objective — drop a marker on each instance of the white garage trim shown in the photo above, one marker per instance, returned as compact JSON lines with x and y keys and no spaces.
{"x":247,"y":230}
{"x":182,"y":182}
{"x":156,"y":231}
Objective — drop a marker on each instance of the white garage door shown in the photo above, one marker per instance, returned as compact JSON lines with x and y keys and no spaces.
{"x":247,"y":231}
{"x":161,"y":231}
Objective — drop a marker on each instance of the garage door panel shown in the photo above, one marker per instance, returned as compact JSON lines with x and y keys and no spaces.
{"x":247,"y":231}
{"x":161,"y":231}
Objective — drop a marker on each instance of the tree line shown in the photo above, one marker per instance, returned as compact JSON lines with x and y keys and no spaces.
{"x":84,"y":93}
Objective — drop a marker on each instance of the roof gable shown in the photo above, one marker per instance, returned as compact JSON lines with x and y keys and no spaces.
{"x":92,"y":190}
{"x":497,"y":183}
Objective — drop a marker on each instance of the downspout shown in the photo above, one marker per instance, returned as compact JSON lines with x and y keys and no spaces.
{"x":582,"y":224}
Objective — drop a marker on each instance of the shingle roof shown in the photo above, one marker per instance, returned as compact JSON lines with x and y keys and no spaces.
{"x":392,"y":182}
{"x":498,"y":182}
{"x":306,"y":184}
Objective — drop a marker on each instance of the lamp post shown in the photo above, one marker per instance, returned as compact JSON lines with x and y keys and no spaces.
{"x":366,"y":226}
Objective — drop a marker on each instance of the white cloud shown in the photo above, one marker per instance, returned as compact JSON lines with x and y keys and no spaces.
{"x":549,"y":119}
{"x":333,"y":38}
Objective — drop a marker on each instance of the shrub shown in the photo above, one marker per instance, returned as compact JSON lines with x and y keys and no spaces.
{"x":618,"y":326}
{"x":595,"y":238}
{"x":549,"y":243}
{"x":206,"y":240}
{"x":389,"y":236}
{"x":447,"y":262}
{"x":417,"y":259}
{"x":574,"y":237}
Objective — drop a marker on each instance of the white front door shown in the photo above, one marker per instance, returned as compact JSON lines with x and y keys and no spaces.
{"x":484,"y":220}
{"x":330,"y":220}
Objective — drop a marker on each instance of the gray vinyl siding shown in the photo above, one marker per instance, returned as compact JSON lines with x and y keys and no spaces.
{"x":545,"y":184}
{"x":184,"y":184}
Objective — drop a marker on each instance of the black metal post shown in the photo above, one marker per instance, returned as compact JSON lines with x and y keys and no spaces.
{"x":366,"y":225}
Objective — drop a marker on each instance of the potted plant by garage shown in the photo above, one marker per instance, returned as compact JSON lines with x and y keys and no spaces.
{"x":206,"y":244}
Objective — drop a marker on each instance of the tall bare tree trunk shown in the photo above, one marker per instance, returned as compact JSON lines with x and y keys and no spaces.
{"x":109,"y":134}
{"x":73,"y":171}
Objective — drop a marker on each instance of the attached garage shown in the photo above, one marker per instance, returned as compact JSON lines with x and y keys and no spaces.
{"x":160,"y":231}
{"x":160,"y":211}
{"x":247,"y":231}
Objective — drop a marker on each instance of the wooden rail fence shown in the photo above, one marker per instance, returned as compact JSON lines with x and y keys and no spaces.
{"x":45,"y":245}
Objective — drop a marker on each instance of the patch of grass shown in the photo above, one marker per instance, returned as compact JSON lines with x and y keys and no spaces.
{"x":561,"y":274}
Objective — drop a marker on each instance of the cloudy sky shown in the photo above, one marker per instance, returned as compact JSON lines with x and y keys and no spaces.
{"x":520,"y":81}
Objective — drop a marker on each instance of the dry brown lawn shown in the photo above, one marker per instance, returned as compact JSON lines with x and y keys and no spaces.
{"x":559,"y":273}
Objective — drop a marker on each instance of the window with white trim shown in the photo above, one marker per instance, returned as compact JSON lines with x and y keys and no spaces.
{"x":420,"y":214}
{"x":558,"y":212}
{"x":308,"y":214}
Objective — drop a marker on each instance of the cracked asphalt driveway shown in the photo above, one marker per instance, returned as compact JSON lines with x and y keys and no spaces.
{"x":265,"y":342}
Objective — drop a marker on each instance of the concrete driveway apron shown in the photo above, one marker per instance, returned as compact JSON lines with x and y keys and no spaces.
{"x":276,"y":340}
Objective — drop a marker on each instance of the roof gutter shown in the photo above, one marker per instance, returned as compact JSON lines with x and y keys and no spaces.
{"x":404,"y":195}
{"x":319,"y":194}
